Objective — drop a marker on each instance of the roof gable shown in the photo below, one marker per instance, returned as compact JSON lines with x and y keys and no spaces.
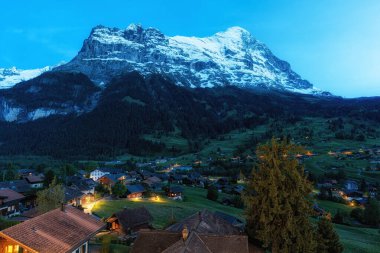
{"x":55,"y":231}
{"x":135,"y":188}
{"x":131,"y":218}
{"x":9,"y":195}
{"x":205,"y":222}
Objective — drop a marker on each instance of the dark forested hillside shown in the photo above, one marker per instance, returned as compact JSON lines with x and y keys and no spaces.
{"x":132,"y":105}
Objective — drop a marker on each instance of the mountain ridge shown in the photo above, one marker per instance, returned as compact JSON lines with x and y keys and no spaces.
{"x":232,"y":57}
{"x":11,"y":76}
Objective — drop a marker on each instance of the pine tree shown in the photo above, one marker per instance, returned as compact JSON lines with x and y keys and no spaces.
{"x":327,"y":238}
{"x":277,"y":205}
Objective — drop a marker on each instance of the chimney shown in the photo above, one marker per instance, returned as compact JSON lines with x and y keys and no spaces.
{"x":62,"y":207}
{"x":185,"y":233}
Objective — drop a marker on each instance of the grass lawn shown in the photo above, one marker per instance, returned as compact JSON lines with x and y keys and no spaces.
{"x":359,"y":240}
{"x":333,"y":207}
{"x":162,"y":211}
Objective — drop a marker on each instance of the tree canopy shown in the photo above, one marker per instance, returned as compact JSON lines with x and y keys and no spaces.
{"x":277,"y":201}
{"x":51,"y":197}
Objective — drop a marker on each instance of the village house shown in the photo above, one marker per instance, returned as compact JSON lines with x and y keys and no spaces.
{"x":175,"y":192}
{"x":205,"y":222}
{"x":23,"y":187}
{"x":154,"y":183}
{"x":35,"y":182}
{"x":20,"y":186}
{"x":98,"y":173}
{"x":175,"y":178}
{"x":130,"y":220}
{"x":23,"y":173}
{"x":201,"y":232}
{"x":135,"y":191}
{"x":146,"y":174}
{"x":85,"y":185}
{"x":111,"y":179}
{"x":63,"y":230}
{"x":351,"y":185}
{"x":10,"y":202}
{"x":75,"y":197}
{"x":189,"y":241}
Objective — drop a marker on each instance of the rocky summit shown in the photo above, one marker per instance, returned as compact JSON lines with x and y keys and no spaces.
{"x":233,"y":57}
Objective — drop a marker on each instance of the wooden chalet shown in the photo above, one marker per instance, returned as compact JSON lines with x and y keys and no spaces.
{"x":75,"y":197}
{"x":135,"y":191}
{"x":63,"y":230}
{"x":35,"y":182}
{"x":111,"y":179}
{"x":175,"y":192}
{"x":130,"y":220}
{"x":10,"y":202}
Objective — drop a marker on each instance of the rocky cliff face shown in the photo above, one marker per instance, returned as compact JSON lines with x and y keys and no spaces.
{"x":232,"y":57}
{"x":49,"y":94}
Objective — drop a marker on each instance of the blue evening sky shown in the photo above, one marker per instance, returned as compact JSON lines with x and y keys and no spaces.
{"x":335,"y":44}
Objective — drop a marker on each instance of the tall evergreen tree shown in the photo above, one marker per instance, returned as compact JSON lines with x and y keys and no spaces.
{"x":327,"y":238}
{"x":276,"y":200}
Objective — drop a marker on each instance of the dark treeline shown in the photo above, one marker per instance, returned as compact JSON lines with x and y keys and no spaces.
{"x":132,"y":105}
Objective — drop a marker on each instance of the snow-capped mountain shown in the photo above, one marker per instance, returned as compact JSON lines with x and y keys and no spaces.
{"x":10,"y":77}
{"x":232,"y":57}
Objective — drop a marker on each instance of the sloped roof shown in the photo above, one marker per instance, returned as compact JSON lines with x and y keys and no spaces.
{"x":170,"y":242}
{"x":16,"y":185}
{"x":71,"y":194}
{"x":131,"y":218}
{"x":135,"y":188}
{"x":175,"y":188}
{"x":9,"y":195}
{"x":205,"y":222}
{"x":34,"y":179}
{"x":111,"y":170}
{"x":82,"y":184}
{"x":229,"y":218}
{"x":154,"y":241}
{"x":153,"y":180}
{"x":114,"y":177}
{"x":55,"y":231}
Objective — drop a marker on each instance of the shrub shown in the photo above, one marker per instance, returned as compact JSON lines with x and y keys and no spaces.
{"x":357,"y":214}
{"x":212,"y":194}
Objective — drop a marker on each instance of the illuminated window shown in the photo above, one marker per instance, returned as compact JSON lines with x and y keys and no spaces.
{"x":10,"y":248}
